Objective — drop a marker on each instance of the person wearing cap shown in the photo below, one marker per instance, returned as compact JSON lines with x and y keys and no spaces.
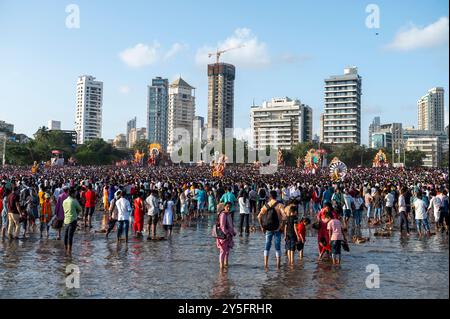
{"x":46,"y":215}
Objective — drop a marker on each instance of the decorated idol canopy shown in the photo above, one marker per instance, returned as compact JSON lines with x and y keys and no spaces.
{"x":380,"y":160}
{"x":338,"y":170}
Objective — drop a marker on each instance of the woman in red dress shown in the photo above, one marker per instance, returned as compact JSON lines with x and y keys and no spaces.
{"x":138,"y":225}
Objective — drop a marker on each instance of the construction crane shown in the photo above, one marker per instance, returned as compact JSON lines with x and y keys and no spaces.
{"x":218,"y":53}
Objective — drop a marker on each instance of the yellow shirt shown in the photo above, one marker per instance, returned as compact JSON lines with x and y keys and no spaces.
{"x":41,"y":197}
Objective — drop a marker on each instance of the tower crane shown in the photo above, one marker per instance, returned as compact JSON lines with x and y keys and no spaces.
{"x":218,"y":53}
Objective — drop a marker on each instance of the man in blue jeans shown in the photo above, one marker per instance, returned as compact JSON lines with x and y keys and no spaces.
{"x":271,"y":218}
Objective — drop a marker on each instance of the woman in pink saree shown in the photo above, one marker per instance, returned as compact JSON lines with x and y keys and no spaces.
{"x":225,"y":245}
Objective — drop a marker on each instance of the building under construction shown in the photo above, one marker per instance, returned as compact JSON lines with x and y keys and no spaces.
{"x":220,"y":99}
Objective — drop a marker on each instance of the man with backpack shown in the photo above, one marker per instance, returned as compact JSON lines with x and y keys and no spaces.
{"x":271,"y":219}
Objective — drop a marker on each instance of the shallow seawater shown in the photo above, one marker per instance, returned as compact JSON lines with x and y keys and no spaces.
{"x":186,"y":267}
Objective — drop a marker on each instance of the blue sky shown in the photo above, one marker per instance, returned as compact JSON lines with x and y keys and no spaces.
{"x":290,"y":47}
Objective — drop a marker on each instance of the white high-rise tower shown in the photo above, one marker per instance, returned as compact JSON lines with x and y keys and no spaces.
{"x":88,"y":119}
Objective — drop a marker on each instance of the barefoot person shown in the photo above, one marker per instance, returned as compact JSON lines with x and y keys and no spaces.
{"x":71,"y":210}
{"x":420,"y":210}
{"x":271,"y":219}
{"x":123,"y":216}
{"x":300,"y":232}
{"x":337,"y":237}
{"x":59,"y":211}
{"x":46,"y":215}
{"x":227,"y":227}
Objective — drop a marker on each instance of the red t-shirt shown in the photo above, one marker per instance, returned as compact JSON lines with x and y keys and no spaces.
{"x":90,"y":199}
{"x":301,"y":230}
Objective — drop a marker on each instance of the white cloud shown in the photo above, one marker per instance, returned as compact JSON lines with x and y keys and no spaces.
{"x":291,"y":58}
{"x":415,"y":37}
{"x":174,"y":50}
{"x":124,"y":89}
{"x":141,"y":55}
{"x":254,"y":53}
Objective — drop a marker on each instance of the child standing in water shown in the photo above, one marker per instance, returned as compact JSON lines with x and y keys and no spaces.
{"x":300,"y":232}
{"x":337,"y":236}
{"x":46,"y":214}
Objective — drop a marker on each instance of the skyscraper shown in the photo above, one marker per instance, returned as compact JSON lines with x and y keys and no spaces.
{"x":131,"y":124}
{"x":430,"y":109}
{"x":88,"y":120}
{"x":342,"y":117}
{"x":181,"y":110}
{"x":157,"y":109}
{"x":374,"y":127}
{"x":281,"y":122}
{"x":220,"y":99}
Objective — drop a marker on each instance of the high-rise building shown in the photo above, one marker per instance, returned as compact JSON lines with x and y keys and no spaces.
{"x":88,"y":121}
{"x":181,"y":110}
{"x":120,"y":142}
{"x":321,"y":134}
{"x":433,"y":143}
{"x":131,"y":124}
{"x":373,"y":128}
{"x":280,"y":123}
{"x":136,"y":134}
{"x":198,"y":127}
{"x":342,"y":116}
{"x":220,"y":99}
{"x":430,"y":109}
{"x":396,"y":132}
{"x":381,"y":140}
{"x":306,"y":125}
{"x":157,"y":109}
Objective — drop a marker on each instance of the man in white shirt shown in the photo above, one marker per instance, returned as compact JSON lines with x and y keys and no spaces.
{"x":153,"y":213}
{"x":420,"y":210}
{"x":123,"y":216}
{"x":389,"y":200}
{"x":435,"y":207}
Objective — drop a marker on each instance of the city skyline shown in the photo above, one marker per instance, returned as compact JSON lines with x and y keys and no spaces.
{"x":408,"y":49}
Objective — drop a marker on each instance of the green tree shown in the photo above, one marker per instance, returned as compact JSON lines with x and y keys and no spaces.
{"x":98,"y":152}
{"x":414,"y":158}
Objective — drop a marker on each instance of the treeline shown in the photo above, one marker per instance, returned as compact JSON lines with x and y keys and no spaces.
{"x":95,"y":152}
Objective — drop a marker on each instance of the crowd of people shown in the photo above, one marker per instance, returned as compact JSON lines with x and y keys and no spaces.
{"x":284,"y":204}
